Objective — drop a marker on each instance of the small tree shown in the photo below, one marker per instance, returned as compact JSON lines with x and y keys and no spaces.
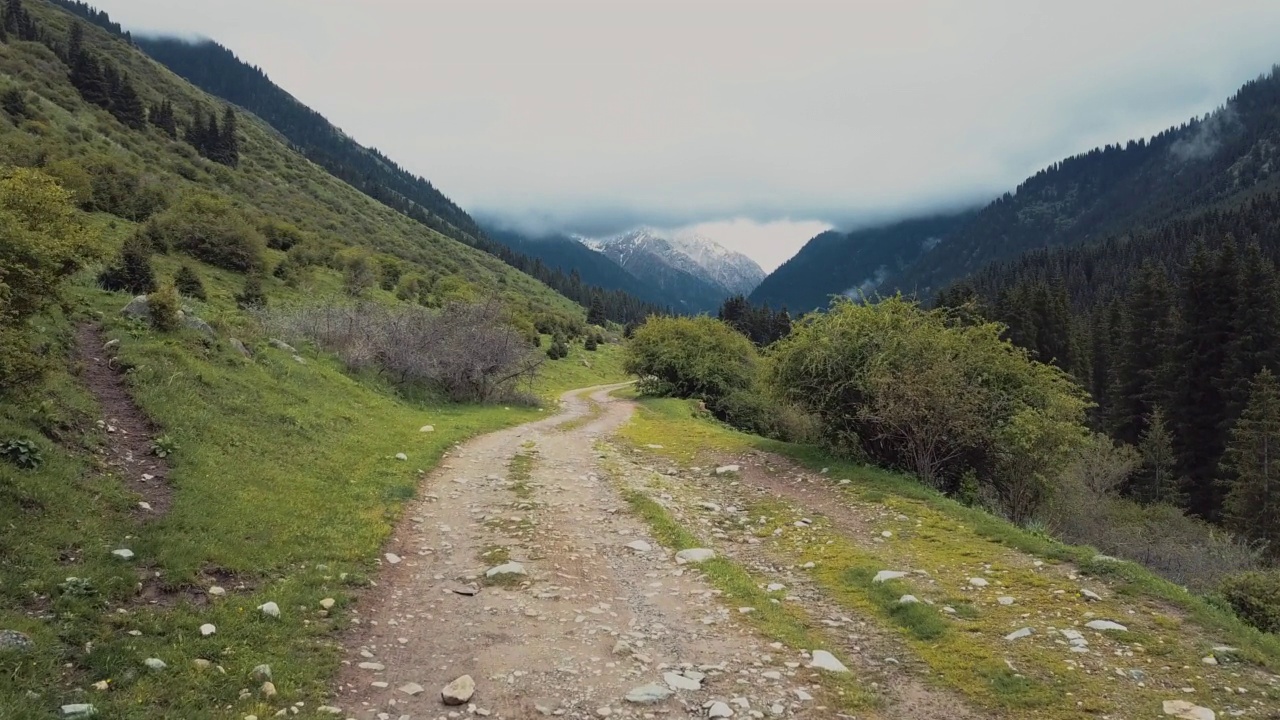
{"x":1252,"y":466}
{"x":590,"y":343}
{"x":252,"y":297}
{"x":131,"y":271}
{"x":596,"y":313}
{"x":1156,"y":481}
{"x":189,"y":284}
{"x":359,"y":277}
{"x":164,"y":307}
{"x":699,"y":357}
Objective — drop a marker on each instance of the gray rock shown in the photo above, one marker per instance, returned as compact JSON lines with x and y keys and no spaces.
{"x":112,"y":343}
{"x":427,"y":428}
{"x":640,"y":546}
{"x":511,"y":568}
{"x":824,"y":660}
{"x":908,"y":599}
{"x":695,"y":555}
{"x":978,"y":582}
{"x":123,"y":554}
{"x":261,"y":673}
{"x":78,"y":710}
{"x":1005,"y":600}
{"x":719,"y":710}
{"x":648,"y":694}
{"x":887,"y":575}
{"x":191,"y":322}
{"x":401,"y":456}
{"x":155,"y":663}
{"x":14,"y":640}
{"x":270,"y":609}
{"x":392,"y":558}
{"x":1090,"y":595}
{"x":281,"y":345}
{"x":1019,"y":634}
{"x":469,"y":589}
{"x":239,"y":347}
{"x":1186,"y":711}
{"x":726,"y":469}
{"x":412,"y":689}
{"x":138,"y":308}
{"x":372,"y":666}
{"x":459,"y":691}
{"x":802,"y":695}
{"x":1105,"y":625}
{"x":680,"y":682}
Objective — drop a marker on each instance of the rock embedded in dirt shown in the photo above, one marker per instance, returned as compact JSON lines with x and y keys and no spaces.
{"x":412,"y":689}
{"x":640,"y":546}
{"x":511,"y":568}
{"x":908,"y":599}
{"x":281,"y":345}
{"x":469,"y":589}
{"x":978,"y":582}
{"x":216,"y":591}
{"x":459,"y":691}
{"x":270,"y":609}
{"x":372,"y":666}
{"x":1105,"y":625}
{"x":680,"y":682}
{"x":719,"y":710}
{"x":239,"y":347}
{"x":1187,"y":711}
{"x":14,"y":640}
{"x":1005,"y":600}
{"x":824,"y":660}
{"x":1019,"y":634}
{"x":887,"y":575}
{"x":726,"y":469}
{"x":392,"y":558}
{"x":261,"y":672}
{"x":695,"y":555}
{"x":648,"y":694}
{"x":1090,"y":595}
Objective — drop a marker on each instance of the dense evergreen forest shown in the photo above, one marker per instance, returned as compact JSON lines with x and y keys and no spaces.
{"x":218,"y":71}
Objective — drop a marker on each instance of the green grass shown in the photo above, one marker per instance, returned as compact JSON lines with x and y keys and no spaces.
{"x":519,"y":471}
{"x":952,"y":542}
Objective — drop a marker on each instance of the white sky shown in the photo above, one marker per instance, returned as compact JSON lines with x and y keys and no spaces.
{"x":593,"y":116}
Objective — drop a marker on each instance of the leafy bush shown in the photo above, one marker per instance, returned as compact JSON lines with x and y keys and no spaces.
{"x":164,"y":446}
{"x":212,"y":229}
{"x":590,"y":344}
{"x":252,"y":296}
{"x":23,"y":454}
{"x":558,"y":350}
{"x":1255,"y":597}
{"x":189,"y":283}
{"x":752,"y":411}
{"x":164,"y":306}
{"x":123,"y":192}
{"x":131,"y":272}
{"x":466,"y":352}
{"x":698,"y":357}
{"x":281,"y":235}
{"x":912,"y":389}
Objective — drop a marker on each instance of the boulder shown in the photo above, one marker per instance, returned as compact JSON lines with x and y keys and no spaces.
{"x":695,"y":555}
{"x":824,"y":660}
{"x":239,"y":347}
{"x":1186,"y":711}
{"x":511,"y":568}
{"x":459,"y":691}
{"x":1105,"y":625}
{"x":14,"y":640}
{"x":648,"y":694}
{"x":192,"y":322}
{"x":680,"y":682}
{"x":138,"y":308}
{"x":281,"y":345}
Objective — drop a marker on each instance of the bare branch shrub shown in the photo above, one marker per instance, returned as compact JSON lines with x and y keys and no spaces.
{"x":466,"y":351}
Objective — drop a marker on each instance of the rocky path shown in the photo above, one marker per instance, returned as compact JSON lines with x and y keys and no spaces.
{"x":520,"y":567}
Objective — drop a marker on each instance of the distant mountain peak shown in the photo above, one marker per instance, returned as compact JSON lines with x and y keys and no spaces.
{"x":686,"y":251}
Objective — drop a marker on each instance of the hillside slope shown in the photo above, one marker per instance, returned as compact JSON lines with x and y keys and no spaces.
{"x":853,"y":263}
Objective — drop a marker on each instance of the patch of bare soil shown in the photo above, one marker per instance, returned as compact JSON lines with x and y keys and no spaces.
{"x":127,"y":449}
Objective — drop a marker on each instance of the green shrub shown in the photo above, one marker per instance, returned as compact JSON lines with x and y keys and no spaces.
{"x":698,"y":357}
{"x":189,"y":283}
{"x":252,"y":296}
{"x":558,"y":349}
{"x":590,"y":344}
{"x":23,"y":454}
{"x":14,"y":102}
{"x":122,"y":191}
{"x":1255,"y":597}
{"x":131,"y":271}
{"x":212,"y":229}
{"x":752,"y":411}
{"x":164,"y":306}
{"x":281,"y":235}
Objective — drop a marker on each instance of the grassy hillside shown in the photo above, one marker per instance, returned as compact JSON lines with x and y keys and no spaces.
{"x":272,"y":182}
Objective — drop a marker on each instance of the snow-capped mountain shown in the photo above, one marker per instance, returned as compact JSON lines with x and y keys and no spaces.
{"x":699,"y":272}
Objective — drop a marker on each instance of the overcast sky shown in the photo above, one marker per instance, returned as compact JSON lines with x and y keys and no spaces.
{"x":593,"y":116}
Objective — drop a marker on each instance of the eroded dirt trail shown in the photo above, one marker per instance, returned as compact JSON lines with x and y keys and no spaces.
{"x":592,"y":620}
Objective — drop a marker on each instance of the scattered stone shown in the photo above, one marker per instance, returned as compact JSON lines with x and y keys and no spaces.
{"x":978,"y":582}
{"x":155,"y":663}
{"x":101,"y":685}
{"x":329,"y":710}
{"x":1090,"y":595}
{"x":78,"y":710}
{"x":207,"y":629}
{"x":1186,"y":711}
{"x":412,"y":689}
{"x":374,"y":666}
{"x":680,"y":682}
{"x":726,"y":469}
{"x":886,"y":534}
{"x":270,"y":609}
{"x":886,"y":575}
{"x":1005,"y":600}
{"x":908,"y":599}
{"x":648,"y":694}
{"x":261,"y":672}
{"x":775,"y":587}
{"x":14,"y":640}
{"x":719,"y":710}
{"x":640,"y":546}
{"x":1105,"y":625}
{"x":605,"y":711}
{"x":802,"y":696}
{"x":1209,"y":660}
{"x":123,"y":554}
{"x":511,"y":568}
{"x":327,"y":603}
{"x":138,"y":308}
{"x":427,"y":428}
{"x":268,"y":689}
{"x":392,"y":558}
{"x":239,"y":347}
{"x":401,"y":456}
{"x":824,"y":660}
{"x":201,"y":664}
{"x":216,"y":591}
{"x":281,"y":345}
{"x":695,"y":555}
{"x":459,"y":691}
{"x":1019,"y":634}
{"x":470,"y":589}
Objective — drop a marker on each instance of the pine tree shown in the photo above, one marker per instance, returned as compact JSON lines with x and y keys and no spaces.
{"x":1256,"y":330}
{"x":131,"y":271}
{"x":1156,"y":480}
{"x":127,"y":107}
{"x":595,"y":313}
{"x":1141,"y":358}
{"x":189,"y":283}
{"x":161,"y":115}
{"x":229,"y":140}
{"x":253,"y":296}
{"x":1252,"y":462}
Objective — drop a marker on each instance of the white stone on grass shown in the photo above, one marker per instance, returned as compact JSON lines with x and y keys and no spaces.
{"x":978,"y":582}
{"x":1005,"y":600}
{"x":824,"y":660}
{"x":887,"y":575}
{"x":1187,"y":711}
{"x":208,"y":629}
{"x":1105,"y":625}
{"x":123,"y":554}
{"x":270,"y":609}
{"x":1019,"y":634}
{"x":155,"y":663}
{"x":908,"y":599}
{"x":511,"y":568}
{"x":695,"y":555}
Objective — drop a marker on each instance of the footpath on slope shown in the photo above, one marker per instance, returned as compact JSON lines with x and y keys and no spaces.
{"x":600,"y":610}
